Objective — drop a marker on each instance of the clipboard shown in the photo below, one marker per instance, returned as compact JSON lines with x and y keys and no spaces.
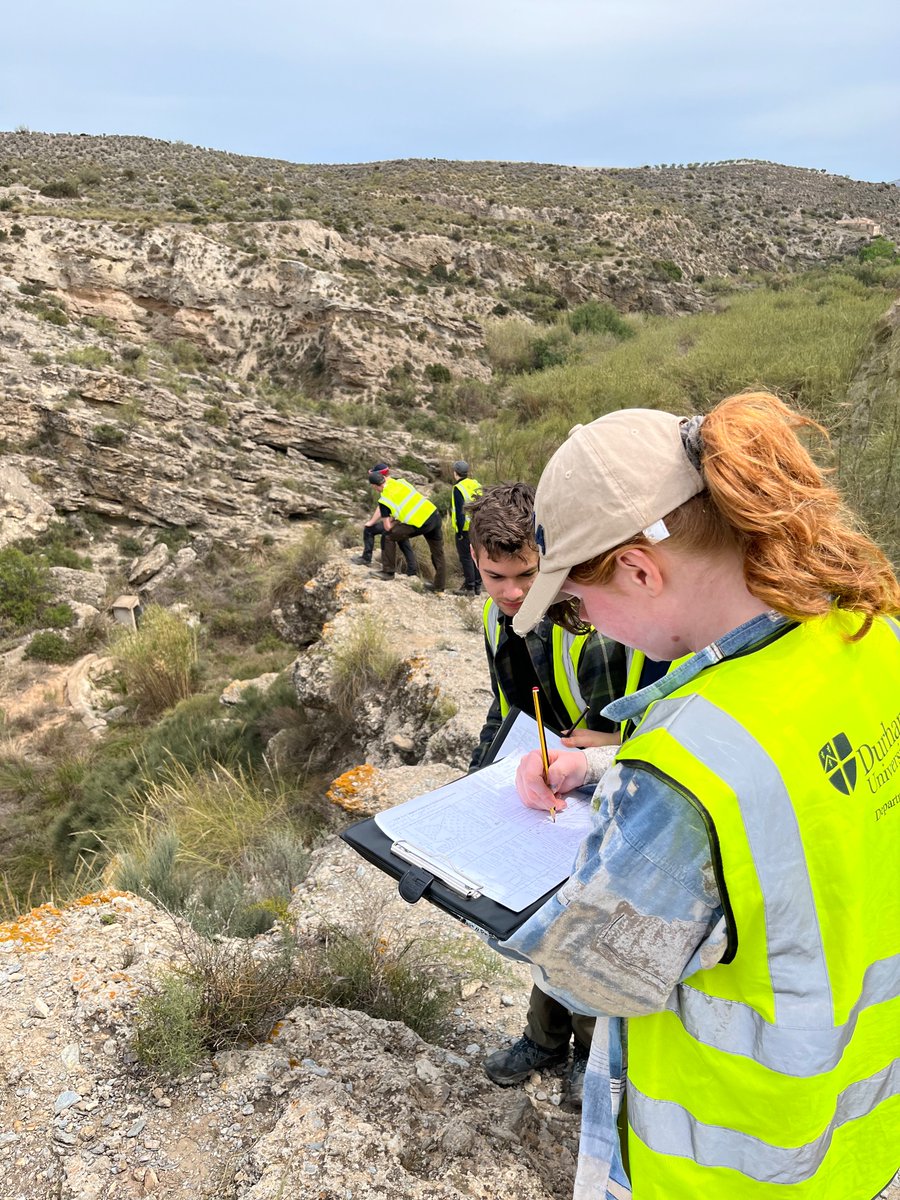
{"x":415,"y":881}
{"x":442,"y":885}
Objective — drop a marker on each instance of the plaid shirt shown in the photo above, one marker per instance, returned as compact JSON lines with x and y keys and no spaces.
{"x":601,"y":678}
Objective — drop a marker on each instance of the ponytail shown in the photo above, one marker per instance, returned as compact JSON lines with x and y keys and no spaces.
{"x":765,"y":497}
{"x":803,"y":552}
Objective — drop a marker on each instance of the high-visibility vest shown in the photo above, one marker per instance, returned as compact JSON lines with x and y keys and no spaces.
{"x":566,"y":649}
{"x":774,"y":1075}
{"x":406,"y":504}
{"x":469,"y":488}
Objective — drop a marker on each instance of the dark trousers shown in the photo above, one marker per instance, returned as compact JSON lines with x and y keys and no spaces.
{"x":551,"y":1025}
{"x":433,"y":534}
{"x":471,"y":577}
{"x":370,"y":532}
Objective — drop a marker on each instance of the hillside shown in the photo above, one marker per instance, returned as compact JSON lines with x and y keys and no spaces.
{"x":200,"y":355}
{"x":213,"y":340}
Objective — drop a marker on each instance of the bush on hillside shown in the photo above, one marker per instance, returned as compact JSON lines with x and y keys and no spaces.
{"x":158,"y":661}
{"x":50,"y":647}
{"x":594,"y":317}
{"x":878,"y":248}
{"x":299,"y":565}
{"x":223,"y":995}
{"x":226,"y":994}
{"x":24,"y":590}
{"x":363,"y":660}
{"x":61,"y":189}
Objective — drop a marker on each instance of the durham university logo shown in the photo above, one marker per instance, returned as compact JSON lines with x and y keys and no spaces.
{"x":838,"y":759}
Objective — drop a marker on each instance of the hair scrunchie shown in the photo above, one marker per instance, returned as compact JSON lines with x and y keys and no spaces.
{"x":692,"y":440}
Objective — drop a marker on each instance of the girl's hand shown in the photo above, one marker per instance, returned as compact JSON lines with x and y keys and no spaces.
{"x":567,"y":771}
{"x":590,"y":737}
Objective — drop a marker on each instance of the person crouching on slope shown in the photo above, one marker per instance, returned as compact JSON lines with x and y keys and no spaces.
{"x":406,"y":513}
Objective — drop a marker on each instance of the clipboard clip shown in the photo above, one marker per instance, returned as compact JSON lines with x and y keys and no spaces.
{"x":414,"y":883}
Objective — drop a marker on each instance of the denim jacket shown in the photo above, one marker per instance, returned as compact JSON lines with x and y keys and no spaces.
{"x":640,"y":913}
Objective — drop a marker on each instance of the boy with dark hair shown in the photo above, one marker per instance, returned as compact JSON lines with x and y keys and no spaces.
{"x":574,"y":672}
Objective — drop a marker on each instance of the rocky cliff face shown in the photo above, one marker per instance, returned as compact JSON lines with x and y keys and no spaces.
{"x":170,"y":354}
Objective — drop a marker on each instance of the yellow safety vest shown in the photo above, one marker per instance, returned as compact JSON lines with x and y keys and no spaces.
{"x":775,"y":1073}
{"x":566,"y":649}
{"x":406,"y":504}
{"x":469,"y":489}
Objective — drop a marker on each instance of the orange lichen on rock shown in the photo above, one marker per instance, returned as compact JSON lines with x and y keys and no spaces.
{"x":344,"y":791}
{"x":97,"y":898}
{"x":35,"y":929}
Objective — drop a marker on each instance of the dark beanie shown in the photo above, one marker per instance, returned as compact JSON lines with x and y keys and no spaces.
{"x":461,"y":467}
{"x":376,"y":478}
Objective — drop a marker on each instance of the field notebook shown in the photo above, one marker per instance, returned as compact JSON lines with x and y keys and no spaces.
{"x":472,"y":848}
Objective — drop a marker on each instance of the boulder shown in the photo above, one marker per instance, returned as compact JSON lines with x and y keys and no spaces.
{"x":81,"y":587}
{"x":148,"y":565}
{"x":23,"y":510}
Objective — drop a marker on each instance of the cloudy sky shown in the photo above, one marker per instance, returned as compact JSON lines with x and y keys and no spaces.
{"x":592,"y":82}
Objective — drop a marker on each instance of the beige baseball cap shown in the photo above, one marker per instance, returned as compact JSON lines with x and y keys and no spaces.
{"x":618,"y":476}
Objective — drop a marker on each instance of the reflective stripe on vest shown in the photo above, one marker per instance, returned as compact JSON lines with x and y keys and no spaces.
{"x":566,"y":649}
{"x":778,"y":1067}
{"x":406,"y":504}
{"x":469,"y":488}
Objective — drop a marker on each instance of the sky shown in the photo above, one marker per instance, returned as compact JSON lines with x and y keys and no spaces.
{"x":812,"y":83}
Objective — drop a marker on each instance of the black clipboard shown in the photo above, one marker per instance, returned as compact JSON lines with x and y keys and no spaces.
{"x":415,"y":881}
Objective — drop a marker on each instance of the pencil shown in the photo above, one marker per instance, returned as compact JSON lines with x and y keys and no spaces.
{"x":569,"y":732}
{"x":545,"y":757}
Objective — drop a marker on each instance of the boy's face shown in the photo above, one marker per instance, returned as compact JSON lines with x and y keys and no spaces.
{"x":507,"y":580}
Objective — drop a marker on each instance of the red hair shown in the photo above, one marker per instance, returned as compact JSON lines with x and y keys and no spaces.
{"x":803,"y":551}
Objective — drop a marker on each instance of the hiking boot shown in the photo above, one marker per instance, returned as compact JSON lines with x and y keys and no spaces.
{"x":521,"y":1058}
{"x":576,"y":1074}
{"x":464,"y":591}
{"x":382,"y":575}
{"x":361,"y":560}
{"x":429,"y":587}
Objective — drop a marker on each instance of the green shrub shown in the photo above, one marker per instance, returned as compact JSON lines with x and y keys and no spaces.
{"x":55,"y":546}
{"x":282,"y":208}
{"x":168,"y":1032}
{"x":61,"y":189}
{"x":366,"y":971}
{"x":362,"y":661}
{"x":878,"y":248}
{"x":92,"y":357}
{"x":224,"y":995}
{"x":549,"y":351}
{"x":508,"y":343}
{"x":594,"y":317}
{"x":437,"y":373}
{"x":24,"y":590}
{"x":130,"y":547}
{"x":105,"y":434}
{"x":58,"y":616}
{"x":158,"y":661}
{"x":186,"y":356}
{"x":216,"y":415}
{"x":51,"y":648}
{"x":667,"y":269}
{"x":297,"y":566}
